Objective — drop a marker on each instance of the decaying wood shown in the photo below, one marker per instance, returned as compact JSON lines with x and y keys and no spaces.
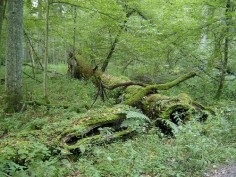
{"x":71,"y":135}
{"x":145,"y":97}
{"x":85,"y":131}
{"x":138,"y":94}
{"x":132,"y":101}
{"x":157,"y":107}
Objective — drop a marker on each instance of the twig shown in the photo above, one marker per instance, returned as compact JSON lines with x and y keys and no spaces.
{"x":26,"y":64}
{"x":29,"y":75}
{"x":125,"y":84}
{"x":32,"y":77}
{"x":30,"y":43}
{"x":87,"y":8}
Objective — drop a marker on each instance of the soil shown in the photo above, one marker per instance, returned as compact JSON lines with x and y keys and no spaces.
{"x":224,"y":171}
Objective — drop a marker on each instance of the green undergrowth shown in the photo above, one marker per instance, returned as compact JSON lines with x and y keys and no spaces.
{"x":196,"y":147}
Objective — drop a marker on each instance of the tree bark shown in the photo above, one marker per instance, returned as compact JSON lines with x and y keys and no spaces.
{"x":2,"y":12}
{"x":74,"y":34}
{"x":39,"y":57}
{"x":115,"y":42}
{"x":14,"y":55}
{"x":46,"y":53}
{"x":226,"y":51}
{"x":73,"y":135}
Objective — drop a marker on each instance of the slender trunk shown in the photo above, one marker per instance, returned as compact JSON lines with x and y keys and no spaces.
{"x":27,"y":55}
{"x":2,"y":12}
{"x":203,"y":41}
{"x":112,"y":50}
{"x":46,"y":53}
{"x":34,"y":52}
{"x":32,"y":60}
{"x":113,"y":46}
{"x":226,"y":52}
{"x":40,"y":37}
{"x":74,"y":36}
{"x":53,"y":51}
{"x":14,"y":55}
{"x":65,"y":46}
{"x":65,"y":55}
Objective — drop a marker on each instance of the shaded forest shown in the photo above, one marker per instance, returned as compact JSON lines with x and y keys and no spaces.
{"x":117,"y":88}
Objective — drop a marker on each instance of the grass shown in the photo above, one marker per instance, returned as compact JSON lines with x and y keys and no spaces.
{"x":196,"y":148}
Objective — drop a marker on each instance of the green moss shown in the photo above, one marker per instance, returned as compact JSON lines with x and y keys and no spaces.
{"x":93,"y":119}
{"x":140,"y":94}
{"x":109,"y":80}
{"x":184,"y":98}
{"x":156,"y":97}
{"x":98,"y":139}
{"x":167,"y":113}
{"x":83,"y":68}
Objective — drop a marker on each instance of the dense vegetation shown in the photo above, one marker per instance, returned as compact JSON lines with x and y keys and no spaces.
{"x":146,"y":41}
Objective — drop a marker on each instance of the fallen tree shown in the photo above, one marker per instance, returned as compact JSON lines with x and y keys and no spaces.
{"x":161,"y":111}
{"x":145,"y":97}
{"x":138,"y":103}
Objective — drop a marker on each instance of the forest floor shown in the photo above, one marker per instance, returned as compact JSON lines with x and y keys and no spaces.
{"x":224,"y":171}
{"x":197,"y":149}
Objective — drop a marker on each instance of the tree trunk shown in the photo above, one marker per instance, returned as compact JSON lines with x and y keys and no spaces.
{"x":14,"y":55}
{"x":46,"y":54}
{"x":165,"y":111}
{"x":223,"y":70}
{"x":113,"y":45}
{"x":71,"y":136}
{"x":74,"y":34}
{"x":40,"y":37}
{"x":133,"y":93}
{"x":2,"y":12}
{"x":226,"y":51}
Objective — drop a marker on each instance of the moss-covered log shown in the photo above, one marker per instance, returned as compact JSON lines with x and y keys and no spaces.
{"x":142,"y":92}
{"x":145,"y":97}
{"x":71,"y":135}
{"x":87,"y":129}
{"x":138,"y":94}
{"x":66,"y":136}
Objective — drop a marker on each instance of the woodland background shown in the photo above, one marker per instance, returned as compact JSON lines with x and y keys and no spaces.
{"x":145,"y":40}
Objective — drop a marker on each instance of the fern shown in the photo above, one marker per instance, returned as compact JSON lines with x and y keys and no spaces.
{"x":136,"y":115}
{"x":168,"y":125}
{"x":134,"y":119}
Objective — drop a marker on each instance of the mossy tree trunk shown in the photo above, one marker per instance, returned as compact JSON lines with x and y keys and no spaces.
{"x":139,"y":95}
{"x":2,"y":12}
{"x":228,"y":19}
{"x":14,"y":55}
{"x":71,"y":136}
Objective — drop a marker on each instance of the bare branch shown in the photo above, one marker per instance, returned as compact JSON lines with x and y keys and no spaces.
{"x":87,"y":8}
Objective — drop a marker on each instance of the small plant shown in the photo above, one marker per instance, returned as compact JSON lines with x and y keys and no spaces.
{"x":134,"y":119}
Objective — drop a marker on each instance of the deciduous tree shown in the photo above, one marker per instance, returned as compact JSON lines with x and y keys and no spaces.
{"x":14,"y":55}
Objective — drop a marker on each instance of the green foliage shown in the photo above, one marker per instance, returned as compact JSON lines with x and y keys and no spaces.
{"x":196,"y":148}
{"x":52,"y":167}
{"x":168,"y":125}
{"x":162,"y":39}
{"x":202,"y":145}
{"x":134,"y":119}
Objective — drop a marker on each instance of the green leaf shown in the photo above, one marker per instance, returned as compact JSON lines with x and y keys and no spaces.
{"x":82,"y":149}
